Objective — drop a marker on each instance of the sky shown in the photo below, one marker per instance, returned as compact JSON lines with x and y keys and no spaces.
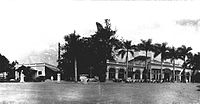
{"x":33,"y":25}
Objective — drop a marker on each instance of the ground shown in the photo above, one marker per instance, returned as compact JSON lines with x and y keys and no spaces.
{"x":99,"y":93}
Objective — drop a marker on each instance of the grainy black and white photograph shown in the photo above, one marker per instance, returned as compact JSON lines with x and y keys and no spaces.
{"x":99,"y":52}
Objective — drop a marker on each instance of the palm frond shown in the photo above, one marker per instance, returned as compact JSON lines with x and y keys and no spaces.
{"x":122,"y":53}
{"x":132,"y":53}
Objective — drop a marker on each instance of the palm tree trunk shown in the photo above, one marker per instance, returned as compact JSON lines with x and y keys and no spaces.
{"x":161,"y":71}
{"x":126,"y":72}
{"x":146,"y":61}
{"x":150,"y":75}
{"x":184,"y":76}
{"x":75,"y":69}
{"x":146,"y":74}
{"x":174,"y":71}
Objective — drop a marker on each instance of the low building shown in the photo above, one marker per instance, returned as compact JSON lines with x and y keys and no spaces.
{"x":136,"y":66}
{"x":44,"y":70}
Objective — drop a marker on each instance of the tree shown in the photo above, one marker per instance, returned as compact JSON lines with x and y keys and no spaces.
{"x":4,"y":63}
{"x":173,"y":55}
{"x":69,"y":57}
{"x":161,"y":49}
{"x":124,"y":51}
{"x":193,"y":63}
{"x":97,"y":49}
{"x":102,"y":43}
{"x":28,"y":72}
{"x":11,"y":70}
{"x":184,"y":53}
{"x":146,"y":46}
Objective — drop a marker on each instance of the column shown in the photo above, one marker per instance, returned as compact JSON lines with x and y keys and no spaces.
{"x":170,"y":78}
{"x":150,"y":71}
{"x":58,"y":77}
{"x":51,"y":78}
{"x":116,"y":73}
{"x":190,"y":77}
{"x":21,"y":77}
{"x":140,"y":75}
{"x":180,"y":77}
{"x":134,"y":76}
{"x":107,"y":74}
{"x":16,"y":75}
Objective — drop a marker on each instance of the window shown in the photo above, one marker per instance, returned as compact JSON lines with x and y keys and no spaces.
{"x":39,"y":72}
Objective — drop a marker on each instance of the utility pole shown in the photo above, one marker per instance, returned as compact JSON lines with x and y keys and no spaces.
{"x":58,"y":54}
{"x":59,"y":72}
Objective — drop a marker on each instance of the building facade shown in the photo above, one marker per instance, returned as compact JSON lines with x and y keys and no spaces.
{"x":117,"y":70}
{"x":47,"y":71}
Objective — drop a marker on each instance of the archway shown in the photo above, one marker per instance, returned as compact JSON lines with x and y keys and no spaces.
{"x":167,"y":75}
{"x":177,"y":75}
{"x":187,"y":76}
{"x":111,"y":73}
{"x":156,"y":74}
{"x":121,"y":73}
{"x":130,"y":73}
{"x":137,"y":74}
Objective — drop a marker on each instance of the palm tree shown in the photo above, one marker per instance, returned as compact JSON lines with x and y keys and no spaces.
{"x":146,"y":46}
{"x":184,"y":53}
{"x":124,"y":51}
{"x":72,"y":47}
{"x":161,"y":49}
{"x":193,"y":63}
{"x":173,"y":55}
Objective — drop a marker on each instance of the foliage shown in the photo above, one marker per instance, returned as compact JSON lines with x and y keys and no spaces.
{"x":102,"y":43}
{"x":4,"y":63}
{"x":96,"y":49}
{"x":28,"y":72}
{"x":184,"y":54}
{"x":146,"y":45}
{"x":173,"y":55}
{"x":11,"y":70}
{"x":161,"y":49}
{"x":125,"y":50}
{"x":71,"y":51}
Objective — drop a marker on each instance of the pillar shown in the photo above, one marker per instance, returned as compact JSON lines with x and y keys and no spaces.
{"x":21,"y":77}
{"x":170,"y":78}
{"x":180,"y":77}
{"x":116,"y":73}
{"x":107,"y":74}
{"x":190,"y":77}
{"x":16,"y":75}
{"x":140,"y":75}
{"x":150,"y":71}
{"x":58,"y":77}
{"x":51,"y":78}
{"x":134,"y":76}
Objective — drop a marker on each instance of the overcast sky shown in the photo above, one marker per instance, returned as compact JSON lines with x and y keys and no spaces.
{"x":32,"y":25}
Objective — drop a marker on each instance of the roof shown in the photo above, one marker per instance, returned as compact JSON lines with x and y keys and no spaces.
{"x":52,"y":67}
{"x":140,"y":58}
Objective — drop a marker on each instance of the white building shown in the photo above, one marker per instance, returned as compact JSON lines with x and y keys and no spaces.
{"x":136,"y":66}
{"x":44,"y":70}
